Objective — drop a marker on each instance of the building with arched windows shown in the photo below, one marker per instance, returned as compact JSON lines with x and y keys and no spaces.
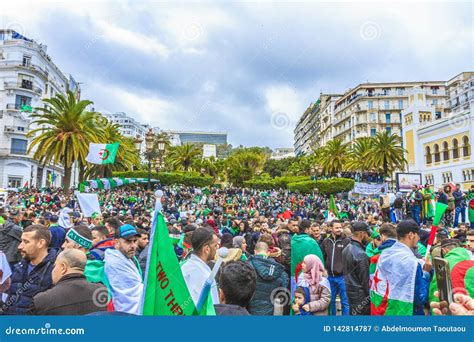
{"x":440,"y":147}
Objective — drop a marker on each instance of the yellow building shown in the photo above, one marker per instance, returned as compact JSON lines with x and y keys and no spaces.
{"x":439,"y":145}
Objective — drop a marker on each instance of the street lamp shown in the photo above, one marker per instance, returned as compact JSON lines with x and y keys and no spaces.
{"x":149,"y":140}
{"x":161,"y":144}
{"x":138,"y":146}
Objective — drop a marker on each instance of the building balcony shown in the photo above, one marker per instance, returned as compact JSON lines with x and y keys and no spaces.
{"x":28,"y":67}
{"x":18,"y":107}
{"x":24,"y":85}
{"x":15,"y":130}
{"x":8,"y":152}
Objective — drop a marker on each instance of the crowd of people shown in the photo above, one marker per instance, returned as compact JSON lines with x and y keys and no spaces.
{"x":288,"y":253}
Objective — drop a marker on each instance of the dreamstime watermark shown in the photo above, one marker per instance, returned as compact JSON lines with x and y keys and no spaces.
{"x":101,"y":297}
{"x":17,"y":27}
{"x":192,"y":31}
{"x":46,"y":330}
{"x":460,"y":121}
{"x":280,"y":120}
{"x":370,"y":30}
{"x":280,"y":296}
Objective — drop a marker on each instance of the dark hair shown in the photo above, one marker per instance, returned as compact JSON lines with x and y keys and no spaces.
{"x":304,"y":225}
{"x":142,"y":231}
{"x":102,"y":230}
{"x":238,"y":282}
{"x":226,"y":240}
{"x":388,"y":230}
{"x":334,"y":221}
{"x":300,"y":290}
{"x":470,"y":232}
{"x":200,"y":238}
{"x":83,"y":231}
{"x":114,"y":223}
{"x":41,"y":232}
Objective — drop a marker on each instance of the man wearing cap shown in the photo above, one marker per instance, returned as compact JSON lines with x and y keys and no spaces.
{"x":356,"y":270}
{"x":123,"y":271}
{"x":196,"y":269}
{"x":400,"y":283}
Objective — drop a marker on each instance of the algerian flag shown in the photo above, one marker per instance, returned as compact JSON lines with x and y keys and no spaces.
{"x":332,"y":212}
{"x":102,"y":153}
{"x":392,"y":287}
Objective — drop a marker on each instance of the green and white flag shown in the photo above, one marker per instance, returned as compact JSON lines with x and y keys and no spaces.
{"x":102,"y":153}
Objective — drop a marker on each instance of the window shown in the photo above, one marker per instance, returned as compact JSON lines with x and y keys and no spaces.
{"x":15,"y":182}
{"x":434,"y":102}
{"x":22,"y":101}
{"x":436,"y":153}
{"x":387,"y":118}
{"x":400,"y":91}
{"x":428,"y":155}
{"x":455,"y":149}
{"x":370,"y":104}
{"x":26,"y":60}
{"x":400,"y":104}
{"x":434,"y":90}
{"x":438,"y":115}
{"x":386,"y":104}
{"x":373,"y":132}
{"x":372,"y":117}
{"x":18,"y":146}
{"x":466,"y":147}
{"x":388,"y":129}
{"x":445,"y":151}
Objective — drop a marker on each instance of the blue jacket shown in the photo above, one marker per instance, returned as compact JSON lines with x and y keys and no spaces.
{"x":58,"y":234}
{"x":25,"y":286}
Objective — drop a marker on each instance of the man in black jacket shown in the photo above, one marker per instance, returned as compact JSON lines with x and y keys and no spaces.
{"x":356,"y":270}
{"x":72,"y":293}
{"x":332,"y":251}
{"x":32,"y":274}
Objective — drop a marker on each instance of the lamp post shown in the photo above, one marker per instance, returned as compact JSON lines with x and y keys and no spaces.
{"x":149,"y":140}
{"x":161,"y":150}
{"x":138,"y":145}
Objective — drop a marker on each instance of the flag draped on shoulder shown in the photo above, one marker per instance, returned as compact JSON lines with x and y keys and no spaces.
{"x":102,"y":153}
{"x":166,"y":292}
{"x":392,"y":288}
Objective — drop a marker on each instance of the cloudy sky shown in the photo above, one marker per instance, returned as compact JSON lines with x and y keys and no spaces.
{"x":246,"y":68}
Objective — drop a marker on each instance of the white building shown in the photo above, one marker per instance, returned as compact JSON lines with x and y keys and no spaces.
{"x":439,"y":145}
{"x":283,"y":152}
{"x":27,"y":76}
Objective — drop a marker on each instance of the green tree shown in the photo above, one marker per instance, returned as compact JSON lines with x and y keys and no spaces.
{"x":243,"y":164}
{"x":181,"y":158}
{"x":333,"y":157}
{"x":387,"y":154}
{"x":65,"y":130}
{"x":358,"y":159}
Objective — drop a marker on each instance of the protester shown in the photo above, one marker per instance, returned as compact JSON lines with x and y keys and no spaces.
{"x":237,"y":284}
{"x":271,"y":277}
{"x":196,"y":269}
{"x":32,"y":274}
{"x":123,"y":271}
{"x":318,"y":286}
{"x":58,"y":234}
{"x":356,"y":270}
{"x":401,"y":293}
{"x":332,"y":249}
{"x":72,"y":294}
{"x":10,"y":238}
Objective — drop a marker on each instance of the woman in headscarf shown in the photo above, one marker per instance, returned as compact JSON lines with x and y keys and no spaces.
{"x":319,"y":287}
{"x":240,"y":243}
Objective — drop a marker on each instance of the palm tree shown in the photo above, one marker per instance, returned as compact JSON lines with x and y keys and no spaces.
{"x":126,"y":156}
{"x":333,"y":156}
{"x":359,"y":153}
{"x":182,"y":157}
{"x":386,"y":153}
{"x":65,"y":131}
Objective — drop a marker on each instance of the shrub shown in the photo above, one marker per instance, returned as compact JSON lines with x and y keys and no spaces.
{"x":334,"y":185}
{"x":306,"y":186}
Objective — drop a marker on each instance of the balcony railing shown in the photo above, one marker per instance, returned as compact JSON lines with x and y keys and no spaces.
{"x":26,"y":85}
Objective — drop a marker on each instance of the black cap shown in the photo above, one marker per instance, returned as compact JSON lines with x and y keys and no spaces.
{"x":361,"y":226}
{"x":407,"y":226}
{"x":53,"y":218}
{"x":450,"y":242}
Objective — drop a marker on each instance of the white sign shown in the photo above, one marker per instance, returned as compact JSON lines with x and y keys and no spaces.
{"x":209,"y":151}
{"x":369,"y":188}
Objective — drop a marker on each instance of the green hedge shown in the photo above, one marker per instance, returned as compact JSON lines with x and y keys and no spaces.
{"x":267,"y":183}
{"x":170,"y":178}
{"x":324,"y":186}
{"x":334,"y":185}
{"x":306,"y":186}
